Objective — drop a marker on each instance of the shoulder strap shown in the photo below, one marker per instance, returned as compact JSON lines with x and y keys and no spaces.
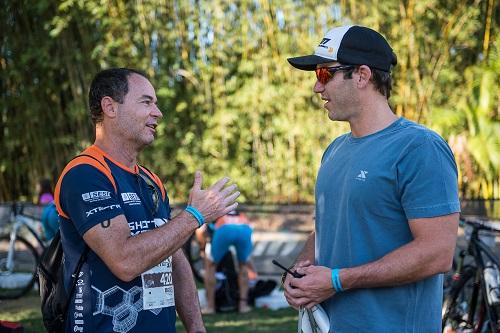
{"x":90,"y":156}
{"x":156,"y":179}
{"x":74,"y":278}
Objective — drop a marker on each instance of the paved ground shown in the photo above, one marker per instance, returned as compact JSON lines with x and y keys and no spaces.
{"x":285,"y":246}
{"x":282,"y":246}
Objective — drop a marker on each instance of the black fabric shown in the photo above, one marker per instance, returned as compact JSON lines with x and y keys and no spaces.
{"x":359,"y":46}
{"x":363,"y":46}
{"x":261,"y":288}
{"x":308,"y":63}
{"x":53,"y":295}
{"x":227,"y":291}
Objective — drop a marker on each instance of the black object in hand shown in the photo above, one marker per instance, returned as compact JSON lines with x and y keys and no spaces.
{"x":294,"y":273}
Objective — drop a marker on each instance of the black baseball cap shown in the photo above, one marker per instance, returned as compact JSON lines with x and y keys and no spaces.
{"x":350,"y":45}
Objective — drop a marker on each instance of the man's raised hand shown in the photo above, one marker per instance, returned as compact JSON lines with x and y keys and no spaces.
{"x":215,"y":201}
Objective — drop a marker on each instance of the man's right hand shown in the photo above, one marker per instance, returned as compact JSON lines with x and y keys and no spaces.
{"x":215,"y":201}
{"x":286,"y":284}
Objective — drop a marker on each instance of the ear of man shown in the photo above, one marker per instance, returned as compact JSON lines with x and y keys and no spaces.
{"x":108,"y":106}
{"x":364,"y":74}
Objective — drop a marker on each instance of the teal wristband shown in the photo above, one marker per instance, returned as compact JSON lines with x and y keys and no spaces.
{"x":337,"y":285}
{"x":334,"y":281}
{"x":196,"y":214}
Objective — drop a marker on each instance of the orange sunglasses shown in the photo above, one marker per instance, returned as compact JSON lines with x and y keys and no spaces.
{"x":325,"y":74}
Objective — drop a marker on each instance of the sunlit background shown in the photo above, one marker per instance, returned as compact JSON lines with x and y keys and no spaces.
{"x":232,"y":105}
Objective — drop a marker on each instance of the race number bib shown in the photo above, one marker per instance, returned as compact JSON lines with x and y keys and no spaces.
{"x":157,"y":286}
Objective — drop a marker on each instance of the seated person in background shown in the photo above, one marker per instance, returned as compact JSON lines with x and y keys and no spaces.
{"x":231,"y":229}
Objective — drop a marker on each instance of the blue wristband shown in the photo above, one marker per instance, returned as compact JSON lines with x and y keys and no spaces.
{"x":336,"y":280}
{"x":196,"y":214}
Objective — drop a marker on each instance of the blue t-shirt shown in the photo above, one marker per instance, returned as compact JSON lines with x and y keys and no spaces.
{"x":367,"y":190}
{"x":102,"y":302}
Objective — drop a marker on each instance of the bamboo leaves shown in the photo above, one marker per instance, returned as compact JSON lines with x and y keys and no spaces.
{"x":231,"y":103}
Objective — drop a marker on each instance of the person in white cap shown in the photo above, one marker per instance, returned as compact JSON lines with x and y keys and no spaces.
{"x":386,"y":199}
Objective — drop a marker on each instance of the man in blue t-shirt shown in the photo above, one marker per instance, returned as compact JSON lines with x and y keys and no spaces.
{"x":386,"y":200}
{"x":135,"y":276}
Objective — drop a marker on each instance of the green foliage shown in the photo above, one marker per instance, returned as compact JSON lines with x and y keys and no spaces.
{"x":26,"y":310}
{"x":232,"y":105}
{"x":474,"y":128}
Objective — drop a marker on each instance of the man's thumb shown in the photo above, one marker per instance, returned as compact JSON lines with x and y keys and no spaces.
{"x":197,"y":180}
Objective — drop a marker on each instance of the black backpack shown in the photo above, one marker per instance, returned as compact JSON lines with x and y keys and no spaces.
{"x":55,"y":299}
{"x":227,"y":291}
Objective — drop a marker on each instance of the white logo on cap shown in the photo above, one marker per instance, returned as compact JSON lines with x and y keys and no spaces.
{"x":330,"y":44}
{"x":323,"y":43}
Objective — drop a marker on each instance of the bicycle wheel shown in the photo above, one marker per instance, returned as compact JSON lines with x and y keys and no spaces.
{"x":19,"y":278}
{"x":464,"y":309}
{"x":192,"y":251}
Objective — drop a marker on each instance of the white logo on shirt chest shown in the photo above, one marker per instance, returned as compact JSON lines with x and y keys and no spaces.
{"x":362,"y":175}
{"x":96,"y":196}
{"x":131,"y":198}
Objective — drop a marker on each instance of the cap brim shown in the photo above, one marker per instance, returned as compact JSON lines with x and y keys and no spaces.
{"x":308,"y":62}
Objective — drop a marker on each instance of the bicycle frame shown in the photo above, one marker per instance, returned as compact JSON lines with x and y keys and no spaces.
{"x":18,"y":221}
{"x":477,"y":248}
{"x":27,"y":222}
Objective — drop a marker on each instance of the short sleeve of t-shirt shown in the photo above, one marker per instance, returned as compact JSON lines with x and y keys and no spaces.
{"x":427,"y":179}
{"x":88,"y":197}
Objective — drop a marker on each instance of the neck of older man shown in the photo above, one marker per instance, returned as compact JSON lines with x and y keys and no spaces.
{"x":116,"y":147}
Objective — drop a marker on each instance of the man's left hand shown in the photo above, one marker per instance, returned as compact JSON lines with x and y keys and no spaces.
{"x":311,"y":289}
